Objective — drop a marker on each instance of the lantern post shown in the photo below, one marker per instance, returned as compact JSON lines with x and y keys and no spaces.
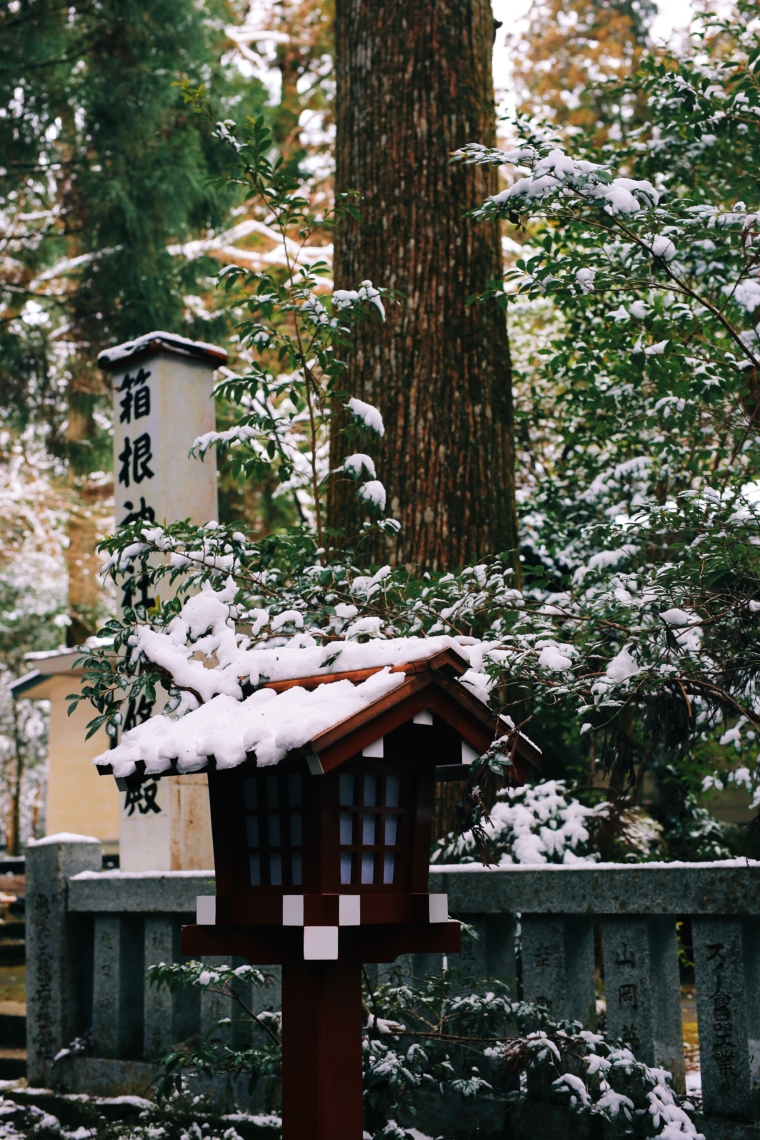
{"x":322,"y":864}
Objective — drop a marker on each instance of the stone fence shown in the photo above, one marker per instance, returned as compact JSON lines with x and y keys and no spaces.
{"x":637,"y":908}
{"x":91,"y":935}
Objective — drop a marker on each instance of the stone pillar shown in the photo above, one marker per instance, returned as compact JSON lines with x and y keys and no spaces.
{"x":58,"y":950}
{"x":186,"y":1007}
{"x":580,"y":976}
{"x":722,"y":1017}
{"x":169,"y":1018}
{"x":542,"y":943}
{"x":118,"y":986}
{"x":558,"y":965}
{"x":106,"y":990}
{"x":643,"y":989}
{"x":419,"y":966}
{"x":157,"y":1031}
{"x":497,"y":934}
{"x":214,"y":1007}
{"x":163,"y":400}
{"x":751,"y":940}
{"x":489,"y":952}
{"x":666,"y":992}
{"x":627,"y":981}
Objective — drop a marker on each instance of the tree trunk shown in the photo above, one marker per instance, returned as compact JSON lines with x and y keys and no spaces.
{"x":89,"y":519}
{"x":90,"y":506}
{"x":413,"y":84}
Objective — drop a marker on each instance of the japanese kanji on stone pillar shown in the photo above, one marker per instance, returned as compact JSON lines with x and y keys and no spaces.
{"x":163,"y":400}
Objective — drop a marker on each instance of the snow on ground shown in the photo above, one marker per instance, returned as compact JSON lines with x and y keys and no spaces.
{"x":694,"y":1083}
{"x":43,"y":1115}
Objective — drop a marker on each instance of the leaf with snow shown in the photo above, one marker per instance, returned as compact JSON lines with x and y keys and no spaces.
{"x":622,"y":666}
{"x":367,"y":414}
{"x":373,"y":492}
{"x":346,"y":298}
{"x":358,"y":463}
{"x":663,"y":247}
{"x":551,"y":657}
{"x":676,"y":616}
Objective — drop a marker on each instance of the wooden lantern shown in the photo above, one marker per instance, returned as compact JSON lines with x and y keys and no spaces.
{"x":322,"y":864}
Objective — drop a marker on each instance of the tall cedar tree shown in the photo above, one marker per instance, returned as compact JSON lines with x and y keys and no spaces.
{"x":563,"y":62}
{"x":413,"y":84}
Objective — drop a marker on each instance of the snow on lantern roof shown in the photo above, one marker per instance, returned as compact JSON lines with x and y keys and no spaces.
{"x":113,"y":358}
{"x":315,"y":701}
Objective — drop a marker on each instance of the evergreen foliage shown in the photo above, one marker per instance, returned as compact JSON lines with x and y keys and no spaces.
{"x":605,"y":426}
{"x":102,"y":170}
{"x":448,"y":1037}
{"x":281,"y":426}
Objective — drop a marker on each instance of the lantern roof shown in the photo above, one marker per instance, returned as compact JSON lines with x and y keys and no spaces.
{"x":326,"y":716}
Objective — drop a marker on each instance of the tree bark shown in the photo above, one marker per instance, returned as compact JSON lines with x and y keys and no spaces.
{"x":89,"y":519}
{"x":413,"y":84}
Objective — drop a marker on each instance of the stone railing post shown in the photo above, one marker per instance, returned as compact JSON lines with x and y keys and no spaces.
{"x":558,"y":965}
{"x":722,"y":1016}
{"x":487,"y":952}
{"x":118,"y":984}
{"x":627,"y":983}
{"x":751,"y":940}
{"x":542,"y":945}
{"x":215,"y":1007}
{"x":58,"y":962}
{"x":168,"y":1018}
{"x":643,"y":990}
{"x":157,"y":1017}
{"x":491,"y":954}
{"x":186,"y":1010}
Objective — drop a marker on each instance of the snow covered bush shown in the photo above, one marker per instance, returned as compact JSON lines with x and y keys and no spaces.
{"x":216,"y":1052}
{"x":594,"y":1078}
{"x":44,"y":1115}
{"x":457,"y":1040}
{"x":634,"y":328}
{"x":545,"y":823}
{"x":619,"y":652}
{"x":534,"y":824}
{"x":696,"y":835}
